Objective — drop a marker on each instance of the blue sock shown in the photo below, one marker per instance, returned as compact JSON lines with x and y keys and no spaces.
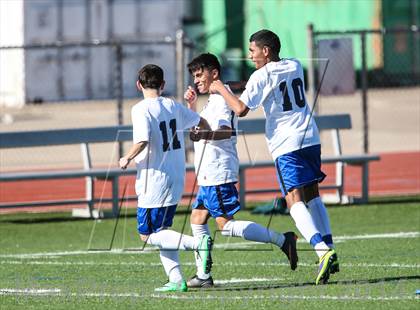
{"x":328,"y":240}
{"x":316,"y":239}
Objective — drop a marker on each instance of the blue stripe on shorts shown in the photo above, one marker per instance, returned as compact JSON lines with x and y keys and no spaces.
{"x":299,"y":168}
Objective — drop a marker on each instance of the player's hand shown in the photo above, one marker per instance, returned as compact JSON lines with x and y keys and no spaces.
{"x":195,"y":134}
{"x":190,"y":96}
{"x":216,"y":86}
{"x":123,"y":162}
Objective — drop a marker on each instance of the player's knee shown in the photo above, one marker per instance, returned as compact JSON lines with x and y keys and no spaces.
{"x":199,"y":216}
{"x":294,"y":196}
{"x":226,"y":228}
{"x":144,"y":237}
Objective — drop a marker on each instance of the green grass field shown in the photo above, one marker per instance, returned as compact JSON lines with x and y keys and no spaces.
{"x":44,"y":263}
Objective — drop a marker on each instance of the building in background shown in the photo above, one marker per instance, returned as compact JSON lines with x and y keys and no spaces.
{"x":56,"y":74}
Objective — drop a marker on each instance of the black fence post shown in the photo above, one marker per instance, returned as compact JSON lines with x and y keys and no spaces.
{"x":118,"y":90}
{"x":364,"y":89}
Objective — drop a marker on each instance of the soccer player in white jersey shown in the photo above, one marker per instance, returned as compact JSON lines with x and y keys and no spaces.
{"x":159,"y":153}
{"x":293,"y":140}
{"x":216,"y":164}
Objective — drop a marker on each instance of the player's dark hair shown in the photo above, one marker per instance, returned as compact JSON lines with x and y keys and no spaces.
{"x":266,"y":38}
{"x":204,"y":61}
{"x":150,"y":76}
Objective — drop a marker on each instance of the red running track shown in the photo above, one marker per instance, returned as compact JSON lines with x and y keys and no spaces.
{"x":395,"y":174}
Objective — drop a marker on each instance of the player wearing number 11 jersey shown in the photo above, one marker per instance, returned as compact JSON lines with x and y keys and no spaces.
{"x":158,"y":149}
{"x":293,"y":140}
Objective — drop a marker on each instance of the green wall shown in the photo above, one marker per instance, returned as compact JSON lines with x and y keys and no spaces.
{"x":289,"y":19}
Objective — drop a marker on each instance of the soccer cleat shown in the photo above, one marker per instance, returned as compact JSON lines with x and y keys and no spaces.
{"x":173,"y":287}
{"x":289,"y":248}
{"x":204,"y":251}
{"x":196,"y":282}
{"x":335,"y":266}
{"x":324,"y":269}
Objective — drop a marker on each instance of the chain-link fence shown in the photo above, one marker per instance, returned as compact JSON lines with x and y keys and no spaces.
{"x":95,"y":70}
{"x":94,"y":84}
{"x":375,"y":69}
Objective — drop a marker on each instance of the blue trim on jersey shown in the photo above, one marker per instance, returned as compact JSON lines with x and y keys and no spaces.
{"x":150,"y":220}
{"x":218,"y":200}
{"x":299,"y":168}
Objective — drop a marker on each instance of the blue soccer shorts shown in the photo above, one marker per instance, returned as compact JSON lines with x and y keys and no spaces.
{"x":150,"y":220}
{"x":299,"y":168}
{"x":219,"y":200}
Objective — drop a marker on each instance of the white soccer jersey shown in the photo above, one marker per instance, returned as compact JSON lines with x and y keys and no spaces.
{"x":279,"y":88}
{"x":161,"y":166}
{"x":219,"y":162}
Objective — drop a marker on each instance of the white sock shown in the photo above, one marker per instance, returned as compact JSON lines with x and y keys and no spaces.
{"x":320,"y":217}
{"x":321,"y":248}
{"x":198,"y":231}
{"x":303,"y":220}
{"x":253,"y":232}
{"x":306,"y":226}
{"x":171,"y":240}
{"x":170,"y":262}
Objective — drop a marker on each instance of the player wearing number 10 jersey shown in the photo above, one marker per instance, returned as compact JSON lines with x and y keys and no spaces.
{"x":159,"y":153}
{"x":293,"y":140}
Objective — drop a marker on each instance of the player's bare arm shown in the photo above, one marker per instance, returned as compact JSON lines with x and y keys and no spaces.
{"x":135,"y":150}
{"x":234,"y":103}
{"x":201,"y":131}
{"x":224,"y":132}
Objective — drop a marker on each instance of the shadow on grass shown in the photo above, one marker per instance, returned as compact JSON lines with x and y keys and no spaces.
{"x":65,"y":217}
{"x":310,"y":284}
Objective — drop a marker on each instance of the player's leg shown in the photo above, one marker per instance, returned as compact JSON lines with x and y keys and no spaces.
{"x":296,"y":170}
{"x":199,"y":227}
{"x":318,"y":212}
{"x":152,"y":224}
{"x":321,"y":219}
{"x":307,"y":228}
{"x":252,"y":231}
{"x":222,"y":202}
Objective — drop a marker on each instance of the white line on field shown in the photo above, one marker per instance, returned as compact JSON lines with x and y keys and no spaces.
{"x":412,"y":234}
{"x":236,"y":280}
{"x":190,"y":296}
{"x":225,"y":264}
{"x":242,"y":245}
{"x":28,"y":291}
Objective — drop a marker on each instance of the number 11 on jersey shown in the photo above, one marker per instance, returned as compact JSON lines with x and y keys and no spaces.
{"x":175,"y":141}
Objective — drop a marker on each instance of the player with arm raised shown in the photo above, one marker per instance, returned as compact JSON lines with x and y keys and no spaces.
{"x":293,"y":140}
{"x":216,"y":164}
{"x":159,"y":152}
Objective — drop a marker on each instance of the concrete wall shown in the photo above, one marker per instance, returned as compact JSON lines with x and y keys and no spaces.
{"x":12,"y":81}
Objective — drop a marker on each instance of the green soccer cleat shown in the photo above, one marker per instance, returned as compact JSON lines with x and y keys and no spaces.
{"x":325,"y":263}
{"x":173,"y":287}
{"x":204,"y":251}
